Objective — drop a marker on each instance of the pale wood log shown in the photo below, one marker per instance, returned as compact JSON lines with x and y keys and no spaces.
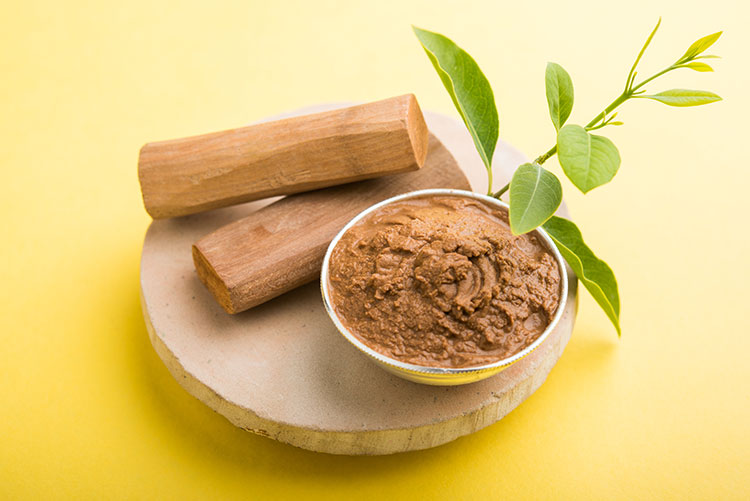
{"x":281,"y":370}
{"x":281,"y":246}
{"x":194,"y":174}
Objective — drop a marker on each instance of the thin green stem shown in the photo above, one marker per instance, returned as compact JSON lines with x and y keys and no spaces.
{"x":609,"y":109}
{"x":499,"y":193}
{"x":666,"y":70}
{"x":597,"y":127}
{"x":545,"y":156}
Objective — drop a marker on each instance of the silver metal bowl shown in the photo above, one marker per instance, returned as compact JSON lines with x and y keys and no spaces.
{"x":441,"y":376}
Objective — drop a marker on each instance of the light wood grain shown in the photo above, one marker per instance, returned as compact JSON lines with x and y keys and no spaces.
{"x":194,"y":174}
{"x":281,"y":246}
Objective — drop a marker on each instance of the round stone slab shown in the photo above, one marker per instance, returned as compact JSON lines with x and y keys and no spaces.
{"x":283,"y":371}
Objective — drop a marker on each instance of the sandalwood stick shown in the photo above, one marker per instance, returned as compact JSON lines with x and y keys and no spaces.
{"x":189,"y":175}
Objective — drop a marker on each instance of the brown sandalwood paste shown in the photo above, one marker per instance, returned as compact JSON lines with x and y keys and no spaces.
{"x":441,"y":281}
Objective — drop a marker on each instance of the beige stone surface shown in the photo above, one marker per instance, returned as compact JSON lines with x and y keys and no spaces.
{"x":282,"y":370}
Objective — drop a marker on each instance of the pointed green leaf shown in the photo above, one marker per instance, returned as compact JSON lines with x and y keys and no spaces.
{"x":559,"y":89}
{"x":631,"y":75}
{"x":535,"y":195}
{"x":593,"y":273}
{"x":700,"y":45}
{"x":588,"y":160}
{"x":703,"y":67}
{"x":684,"y":97}
{"x":468,"y":87}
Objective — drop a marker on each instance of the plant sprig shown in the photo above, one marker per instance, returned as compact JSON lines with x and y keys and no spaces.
{"x":588,"y":160}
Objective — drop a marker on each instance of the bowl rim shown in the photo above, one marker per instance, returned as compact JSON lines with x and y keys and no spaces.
{"x":424,"y":369}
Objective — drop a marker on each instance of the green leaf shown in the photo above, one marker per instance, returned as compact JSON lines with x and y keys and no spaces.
{"x":588,"y":160}
{"x":700,"y":45}
{"x":468,"y":87}
{"x":631,"y":75}
{"x":593,"y":273}
{"x":559,"y":89}
{"x":535,"y":195}
{"x":703,"y":67}
{"x":684,"y":97}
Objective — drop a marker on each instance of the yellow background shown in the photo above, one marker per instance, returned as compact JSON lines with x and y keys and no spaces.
{"x":87,"y":410}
